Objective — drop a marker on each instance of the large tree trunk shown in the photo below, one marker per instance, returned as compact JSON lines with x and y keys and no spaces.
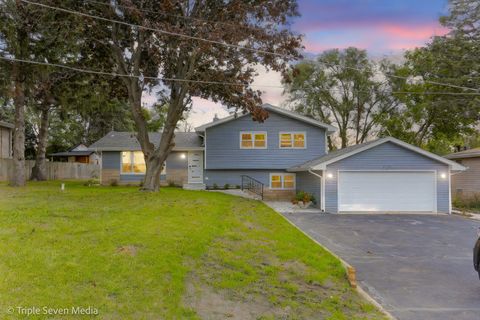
{"x":18,"y":178}
{"x":39,"y":170}
{"x":19,"y":77}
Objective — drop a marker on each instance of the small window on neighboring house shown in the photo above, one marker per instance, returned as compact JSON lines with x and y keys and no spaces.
{"x":295,"y":140}
{"x":253,"y":140}
{"x":282,"y":181}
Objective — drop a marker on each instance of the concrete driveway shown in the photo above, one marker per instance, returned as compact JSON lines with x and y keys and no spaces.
{"x":416,"y":266}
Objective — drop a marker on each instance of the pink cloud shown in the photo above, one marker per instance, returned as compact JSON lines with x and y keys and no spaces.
{"x":413,"y":32}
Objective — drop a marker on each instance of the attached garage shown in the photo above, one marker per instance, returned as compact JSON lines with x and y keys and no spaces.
{"x":374,"y":191}
{"x":384,"y":175}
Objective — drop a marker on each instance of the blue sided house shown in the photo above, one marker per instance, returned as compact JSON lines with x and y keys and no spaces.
{"x":288,"y":153}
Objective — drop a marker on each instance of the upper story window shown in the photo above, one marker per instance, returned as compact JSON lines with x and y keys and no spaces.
{"x":133,"y":162}
{"x":293,"y":140}
{"x":253,"y":140}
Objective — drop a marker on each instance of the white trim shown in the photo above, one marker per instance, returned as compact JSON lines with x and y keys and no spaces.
{"x":205,"y":150}
{"x":253,"y":133}
{"x":453,"y":165}
{"x":292,"y":133}
{"x":282,"y":174}
{"x":268,"y":107}
{"x":435,"y":172}
{"x":449,"y":192}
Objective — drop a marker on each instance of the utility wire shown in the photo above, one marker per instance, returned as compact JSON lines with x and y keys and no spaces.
{"x":170,"y":33}
{"x":163,"y":13}
{"x":113,"y":74}
{"x":216,"y":42}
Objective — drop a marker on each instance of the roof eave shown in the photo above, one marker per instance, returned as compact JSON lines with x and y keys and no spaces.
{"x":323,"y":165}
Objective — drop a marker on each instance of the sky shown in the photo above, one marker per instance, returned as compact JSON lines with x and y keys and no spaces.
{"x":385,"y":28}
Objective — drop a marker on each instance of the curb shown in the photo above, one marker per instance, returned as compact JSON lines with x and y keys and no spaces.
{"x":466,"y":214}
{"x":350,"y":271}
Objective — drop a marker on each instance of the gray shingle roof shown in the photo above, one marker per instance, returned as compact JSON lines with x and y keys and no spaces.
{"x":269,"y":107}
{"x":471,"y":153}
{"x":329,"y":156}
{"x":6,"y":125}
{"x":72,"y":153}
{"x":117,"y":141}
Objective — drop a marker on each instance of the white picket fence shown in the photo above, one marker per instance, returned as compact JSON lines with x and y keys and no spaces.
{"x":55,"y":170}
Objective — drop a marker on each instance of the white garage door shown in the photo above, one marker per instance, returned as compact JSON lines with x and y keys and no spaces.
{"x":386,"y":191}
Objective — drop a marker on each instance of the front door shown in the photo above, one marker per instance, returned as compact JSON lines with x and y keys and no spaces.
{"x":195,"y":167}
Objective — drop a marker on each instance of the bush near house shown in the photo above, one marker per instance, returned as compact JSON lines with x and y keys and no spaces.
{"x":467,"y":202}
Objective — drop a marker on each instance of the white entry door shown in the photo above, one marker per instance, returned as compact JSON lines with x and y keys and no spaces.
{"x":195,"y":167}
{"x":387,"y":191}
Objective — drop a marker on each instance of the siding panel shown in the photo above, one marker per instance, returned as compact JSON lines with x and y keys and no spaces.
{"x":311,"y":184}
{"x":467,"y":182}
{"x":223,"y":144}
{"x":387,"y":156}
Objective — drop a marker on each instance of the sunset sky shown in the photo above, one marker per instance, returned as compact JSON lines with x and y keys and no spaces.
{"x":383,"y":27}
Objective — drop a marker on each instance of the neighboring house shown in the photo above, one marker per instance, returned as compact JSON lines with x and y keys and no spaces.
{"x":286,"y":153}
{"x":6,"y":138}
{"x":466,"y":183}
{"x":80,"y":154}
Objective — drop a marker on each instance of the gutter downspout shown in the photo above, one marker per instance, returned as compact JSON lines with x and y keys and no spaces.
{"x":322,"y":189}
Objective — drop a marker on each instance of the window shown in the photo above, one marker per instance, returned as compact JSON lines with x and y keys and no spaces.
{"x":294,"y":140}
{"x":253,"y":140}
{"x":134,"y":162}
{"x":282,"y":181}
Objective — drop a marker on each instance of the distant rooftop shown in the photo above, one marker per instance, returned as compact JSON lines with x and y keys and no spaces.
{"x":470,"y":153}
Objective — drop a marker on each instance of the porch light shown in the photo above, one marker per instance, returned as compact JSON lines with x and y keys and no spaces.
{"x":182,"y":156}
{"x":329,"y":175}
{"x":443,"y":175}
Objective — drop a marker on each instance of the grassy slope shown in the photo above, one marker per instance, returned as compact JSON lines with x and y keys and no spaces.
{"x":171,"y":255}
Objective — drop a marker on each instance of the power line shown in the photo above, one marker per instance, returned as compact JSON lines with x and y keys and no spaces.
{"x":235,"y":46}
{"x":113,"y":74}
{"x":218,"y":42}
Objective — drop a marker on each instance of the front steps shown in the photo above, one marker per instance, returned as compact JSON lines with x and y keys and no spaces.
{"x":194,"y":186}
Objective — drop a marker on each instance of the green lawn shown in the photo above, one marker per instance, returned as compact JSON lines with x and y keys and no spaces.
{"x":175,"y":254}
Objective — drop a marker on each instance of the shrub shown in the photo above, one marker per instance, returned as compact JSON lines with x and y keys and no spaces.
{"x":226,"y":186}
{"x":114,"y":183}
{"x":237,"y":186}
{"x":92,"y":182}
{"x":304,"y":197}
{"x":215,"y":186}
{"x":171,"y":183}
{"x":467,"y":202}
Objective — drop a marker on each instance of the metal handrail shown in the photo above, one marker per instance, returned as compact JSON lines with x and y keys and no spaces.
{"x":252,"y":185}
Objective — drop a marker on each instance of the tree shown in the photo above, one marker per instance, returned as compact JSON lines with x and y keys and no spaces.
{"x":16,"y":28}
{"x":341,"y":88}
{"x":156,"y":50}
{"x":439,"y":121}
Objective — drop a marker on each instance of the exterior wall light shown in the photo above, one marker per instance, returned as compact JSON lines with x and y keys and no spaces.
{"x":443,"y":175}
{"x":182,"y":156}
{"x":329,"y":175}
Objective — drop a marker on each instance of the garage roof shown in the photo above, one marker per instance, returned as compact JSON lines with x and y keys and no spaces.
{"x":321,"y":162}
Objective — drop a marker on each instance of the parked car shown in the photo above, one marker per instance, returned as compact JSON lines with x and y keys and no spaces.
{"x":476,"y":255}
